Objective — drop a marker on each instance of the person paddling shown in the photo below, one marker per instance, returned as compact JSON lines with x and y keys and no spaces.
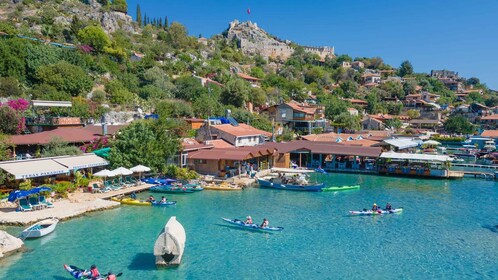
{"x":389,"y":207}
{"x":94,"y":272}
{"x":375,"y":207}
{"x":111,"y":276}
{"x":265,"y":223}
{"x":248,"y":220}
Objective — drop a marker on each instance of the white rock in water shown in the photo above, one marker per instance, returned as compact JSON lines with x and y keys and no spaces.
{"x":9,"y":243}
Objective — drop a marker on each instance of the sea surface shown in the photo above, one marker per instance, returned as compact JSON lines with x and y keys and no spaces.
{"x":446,"y":231}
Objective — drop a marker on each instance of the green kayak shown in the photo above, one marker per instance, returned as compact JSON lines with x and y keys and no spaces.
{"x":341,"y":188}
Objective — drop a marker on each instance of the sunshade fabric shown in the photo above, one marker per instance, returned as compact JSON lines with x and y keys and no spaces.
{"x":140,"y":168}
{"x":81,"y":162}
{"x":23,"y":169}
{"x":122,"y":171}
{"x":104,"y":173}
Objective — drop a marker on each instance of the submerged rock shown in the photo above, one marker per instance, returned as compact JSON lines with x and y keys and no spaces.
{"x":9,"y":243}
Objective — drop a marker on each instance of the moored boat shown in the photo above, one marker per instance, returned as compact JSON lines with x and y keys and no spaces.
{"x":40,"y":228}
{"x":170,"y":189}
{"x":341,"y":188}
{"x":223,"y":187}
{"x":131,"y":201}
{"x":378,"y":212}
{"x":170,"y":244}
{"x":251,"y":226}
{"x":278,"y":183}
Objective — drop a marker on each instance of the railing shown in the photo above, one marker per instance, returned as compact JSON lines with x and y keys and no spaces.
{"x":53,"y":121}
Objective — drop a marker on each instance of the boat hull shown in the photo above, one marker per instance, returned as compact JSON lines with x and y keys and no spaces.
{"x":341,"y":188}
{"x":251,"y":226}
{"x":168,"y":189}
{"x":40,"y":229}
{"x":170,"y":244}
{"x":167,"y":203}
{"x":290,"y":187}
{"x":378,"y":212}
{"x":222,"y":188}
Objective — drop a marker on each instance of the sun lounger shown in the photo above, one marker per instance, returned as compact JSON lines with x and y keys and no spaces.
{"x":24,"y":205}
{"x":112,"y":185}
{"x":130,"y":181}
{"x":45,"y":203}
{"x":35,"y":203}
{"x":97,"y":188}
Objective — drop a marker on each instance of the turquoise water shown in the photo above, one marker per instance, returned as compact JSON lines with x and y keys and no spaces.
{"x":445,"y":232}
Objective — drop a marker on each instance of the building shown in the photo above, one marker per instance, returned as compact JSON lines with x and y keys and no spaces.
{"x":135,"y":56}
{"x":358,"y":139}
{"x":255,"y":82}
{"x":490,"y":122}
{"x":358,"y":102}
{"x":237,"y":135}
{"x":346,"y":64}
{"x":357,"y":65}
{"x":370,"y":79}
{"x":195,"y":123}
{"x":445,"y":74}
{"x":299,"y":117}
{"x":417,"y":165}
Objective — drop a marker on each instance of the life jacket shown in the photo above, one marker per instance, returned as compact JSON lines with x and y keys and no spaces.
{"x":111,"y":277}
{"x":95,"y":273}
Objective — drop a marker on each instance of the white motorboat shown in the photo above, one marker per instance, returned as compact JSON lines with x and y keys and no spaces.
{"x":170,"y":244}
{"x":40,"y":229}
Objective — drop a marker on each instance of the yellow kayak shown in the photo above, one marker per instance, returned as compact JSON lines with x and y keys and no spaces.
{"x":222,"y":187}
{"x":131,"y":201}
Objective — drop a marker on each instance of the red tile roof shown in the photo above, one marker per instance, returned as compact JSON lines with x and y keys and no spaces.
{"x":326,"y":148}
{"x":357,"y":101}
{"x":219,"y":143}
{"x":490,"y":133}
{"x":311,"y":110}
{"x":190,"y":144}
{"x":241,"y":153}
{"x":241,"y":130}
{"x":490,"y":118}
{"x":67,"y":134}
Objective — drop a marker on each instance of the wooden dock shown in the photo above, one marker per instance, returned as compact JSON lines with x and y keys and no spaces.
{"x":479,"y":174}
{"x":125,"y":191}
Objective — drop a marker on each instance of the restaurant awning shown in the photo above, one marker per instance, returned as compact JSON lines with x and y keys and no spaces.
{"x":81,"y":162}
{"x":24,"y":169}
{"x":417,"y":157}
{"x":402,"y":143}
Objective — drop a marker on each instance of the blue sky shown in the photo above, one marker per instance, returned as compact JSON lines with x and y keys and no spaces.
{"x":432,"y":34}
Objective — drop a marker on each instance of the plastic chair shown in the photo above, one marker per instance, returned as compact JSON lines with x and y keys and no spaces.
{"x":35,"y":203}
{"x":24,"y":205}
{"x":45,"y":203}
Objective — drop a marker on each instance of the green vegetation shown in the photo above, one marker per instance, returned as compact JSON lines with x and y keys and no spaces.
{"x":459,"y":125}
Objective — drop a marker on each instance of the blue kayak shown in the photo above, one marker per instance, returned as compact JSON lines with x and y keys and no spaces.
{"x":167,"y":203}
{"x":251,"y":226}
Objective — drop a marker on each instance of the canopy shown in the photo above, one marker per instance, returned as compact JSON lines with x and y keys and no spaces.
{"x":105,"y":173}
{"x":13,"y":196}
{"x":23,"y":169}
{"x":431,"y":143}
{"x":402,"y":143}
{"x":122,"y":171}
{"x":104,"y":152}
{"x":81,"y":162}
{"x":39,"y":190}
{"x":416,"y":157}
{"x":140,"y":168}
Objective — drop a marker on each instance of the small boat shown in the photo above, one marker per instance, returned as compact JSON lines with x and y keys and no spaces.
{"x":80,"y":273}
{"x":167,"y":203}
{"x":131,"y":201}
{"x":301,"y":185}
{"x":170,"y":189}
{"x":251,"y":226}
{"x":170,"y":244}
{"x":378,"y":212}
{"x":223,"y":187}
{"x":162,"y":181}
{"x":341,"y":188}
{"x":320,"y":170}
{"x":40,"y":229}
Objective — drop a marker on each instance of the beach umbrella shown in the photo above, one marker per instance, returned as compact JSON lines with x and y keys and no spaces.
{"x":39,"y":190}
{"x":122,"y":171}
{"x":104,"y":173}
{"x":15,"y":195}
{"x":139,"y":169}
{"x":431,"y":143}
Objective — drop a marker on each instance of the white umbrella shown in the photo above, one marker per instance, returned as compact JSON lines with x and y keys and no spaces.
{"x":105,"y":173}
{"x":122,"y":171}
{"x":139,"y":169}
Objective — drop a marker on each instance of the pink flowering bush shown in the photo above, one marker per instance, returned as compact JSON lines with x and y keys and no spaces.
{"x":95,"y":144}
{"x":19,"y":105}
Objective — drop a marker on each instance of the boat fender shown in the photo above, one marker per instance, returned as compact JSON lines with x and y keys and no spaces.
{"x":271,"y":184}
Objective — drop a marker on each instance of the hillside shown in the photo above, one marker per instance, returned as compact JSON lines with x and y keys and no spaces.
{"x":92,"y":53}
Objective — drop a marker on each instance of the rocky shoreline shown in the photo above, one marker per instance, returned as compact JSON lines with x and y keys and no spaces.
{"x":9,"y":244}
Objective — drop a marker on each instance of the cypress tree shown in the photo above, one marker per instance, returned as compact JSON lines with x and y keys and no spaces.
{"x":160,"y":22}
{"x":145,"y":19}
{"x":139,"y":16}
{"x":166,"y":23}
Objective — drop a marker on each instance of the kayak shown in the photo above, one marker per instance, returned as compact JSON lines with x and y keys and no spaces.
{"x":170,"y":189}
{"x":341,"y":188}
{"x":378,"y":212}
{"x":167,"y":203}
{"x":131,"y":201}
{"x":79,"y":273}
{"x":251,"y":226}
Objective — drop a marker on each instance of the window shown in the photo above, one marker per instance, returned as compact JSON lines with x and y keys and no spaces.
{"x":200,"y":161}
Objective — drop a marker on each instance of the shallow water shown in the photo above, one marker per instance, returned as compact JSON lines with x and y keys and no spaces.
{"x":445,"y":232}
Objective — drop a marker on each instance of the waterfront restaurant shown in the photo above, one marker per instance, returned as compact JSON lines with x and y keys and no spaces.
{"x":417,"y":165}
{"x":329,"y":156}
{"x":229,"y":162}
{"x":51,"y":167}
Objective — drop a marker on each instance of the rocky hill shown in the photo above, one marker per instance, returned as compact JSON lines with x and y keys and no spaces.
{"x":254,"y":40}
{"x":45,"y":17}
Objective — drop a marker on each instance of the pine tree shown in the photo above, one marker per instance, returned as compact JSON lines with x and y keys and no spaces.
{"x":139,"y":16}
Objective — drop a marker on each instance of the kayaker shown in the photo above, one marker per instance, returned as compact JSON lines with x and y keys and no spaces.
{"x":151,"y":199}
{"x":375,"y":207}
{"x":265,"y":223}
{"x":249,"y":220}
{"x":110,"y":276}
{"x":133,"y":195}
{"x":388,"y":207}
{"x":163,"y":199}
{"x":94,"y":272}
